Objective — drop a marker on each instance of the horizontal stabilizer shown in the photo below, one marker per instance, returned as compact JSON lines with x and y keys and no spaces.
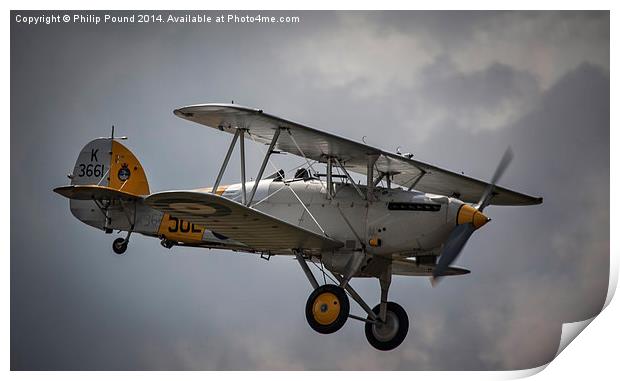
{"x":411,"y":268}
{"x":251,"y":227}
{"x":94,"y":192}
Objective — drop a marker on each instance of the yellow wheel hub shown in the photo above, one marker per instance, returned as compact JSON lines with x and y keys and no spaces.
{"x":326,"y":308}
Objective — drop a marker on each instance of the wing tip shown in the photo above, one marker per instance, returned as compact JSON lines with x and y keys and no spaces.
{"x":534,"y":201}
{"x":184,"y":110}
{"x":63,"y":190}
{"x":182,"y":114}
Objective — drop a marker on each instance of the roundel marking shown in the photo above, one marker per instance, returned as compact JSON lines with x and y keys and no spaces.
{"x":124,"y":173}
{"x":206,"y":210}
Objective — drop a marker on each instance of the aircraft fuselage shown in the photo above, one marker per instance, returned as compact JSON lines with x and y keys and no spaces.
{"x":396,"y":223}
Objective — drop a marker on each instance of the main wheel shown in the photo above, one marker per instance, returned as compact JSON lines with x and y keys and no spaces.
{"x":119,"y":246}
{"x":327,"y":309}
{"x":388,"y":335}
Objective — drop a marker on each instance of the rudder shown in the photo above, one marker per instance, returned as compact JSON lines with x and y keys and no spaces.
{"x":107,"y":162}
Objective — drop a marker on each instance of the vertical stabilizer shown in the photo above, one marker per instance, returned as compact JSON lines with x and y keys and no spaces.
{"x":107,"y":162}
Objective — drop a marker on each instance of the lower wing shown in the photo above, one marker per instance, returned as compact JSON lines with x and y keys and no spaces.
{"x":231,"y":219}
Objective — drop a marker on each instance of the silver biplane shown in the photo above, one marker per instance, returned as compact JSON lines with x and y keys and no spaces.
{"x":409,"y":218}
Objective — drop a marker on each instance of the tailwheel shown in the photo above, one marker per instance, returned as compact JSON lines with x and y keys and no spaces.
{"x":119,"y":246}
{"x":327,"y":308}
{"x":388,"y":335}
{"x":168,"y":244}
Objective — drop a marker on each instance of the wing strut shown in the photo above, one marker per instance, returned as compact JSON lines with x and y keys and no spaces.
{"x":378,"y":179}
{"x":350,"y":178}
{"x":308,"y":161}
{"x":330,"y":186}
{"x":225,"y":163}
{"x":416,"y":180}
{"x":242,"y":155}
{"x":372,"y":159}
{"x":264,"y":164}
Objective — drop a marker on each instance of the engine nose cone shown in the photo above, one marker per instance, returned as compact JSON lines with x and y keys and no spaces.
{"x":468,"y":214}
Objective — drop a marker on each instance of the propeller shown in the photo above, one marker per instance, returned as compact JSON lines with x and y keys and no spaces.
{"x":462,"y":232}
{"x":501,"y":168}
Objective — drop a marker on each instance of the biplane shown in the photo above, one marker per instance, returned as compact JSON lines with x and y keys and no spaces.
{"x":409,"y":218}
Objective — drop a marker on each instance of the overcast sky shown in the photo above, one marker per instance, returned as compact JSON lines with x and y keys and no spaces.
{"x":454,"y":88}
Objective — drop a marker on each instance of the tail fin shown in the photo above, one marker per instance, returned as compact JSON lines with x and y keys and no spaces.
{"x":106,"y":162}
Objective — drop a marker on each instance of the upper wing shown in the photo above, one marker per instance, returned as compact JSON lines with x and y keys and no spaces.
{"x":251,"y":227}
{"x":94,"y":192}
{"x":317,"y":145}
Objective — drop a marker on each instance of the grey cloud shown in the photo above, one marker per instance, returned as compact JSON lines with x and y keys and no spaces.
{"x":480,"y":100}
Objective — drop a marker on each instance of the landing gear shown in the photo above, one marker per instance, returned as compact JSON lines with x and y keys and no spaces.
{"x":327,"y":309}
{"x":120,"y":246}
{"x":389,"y":334}
{"x":168,"y":244}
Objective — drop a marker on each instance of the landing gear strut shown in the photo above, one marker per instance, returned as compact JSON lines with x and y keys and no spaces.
{"x":120,"y":244}
{"x":389,"y":331}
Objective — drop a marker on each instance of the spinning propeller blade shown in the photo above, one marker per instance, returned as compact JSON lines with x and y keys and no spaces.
{"x":455,"y":243}
{"x":475,"y":219}
{"x":501,"y":168}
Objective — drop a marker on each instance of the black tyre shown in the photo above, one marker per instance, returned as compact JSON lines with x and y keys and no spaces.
{"x":119,"y":246}
{"x":327,"y":309}
{"x":168,"y":244}
{"x":389,"y":335}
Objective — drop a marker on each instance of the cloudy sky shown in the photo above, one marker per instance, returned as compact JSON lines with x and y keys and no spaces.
{"x":454,"y":88}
